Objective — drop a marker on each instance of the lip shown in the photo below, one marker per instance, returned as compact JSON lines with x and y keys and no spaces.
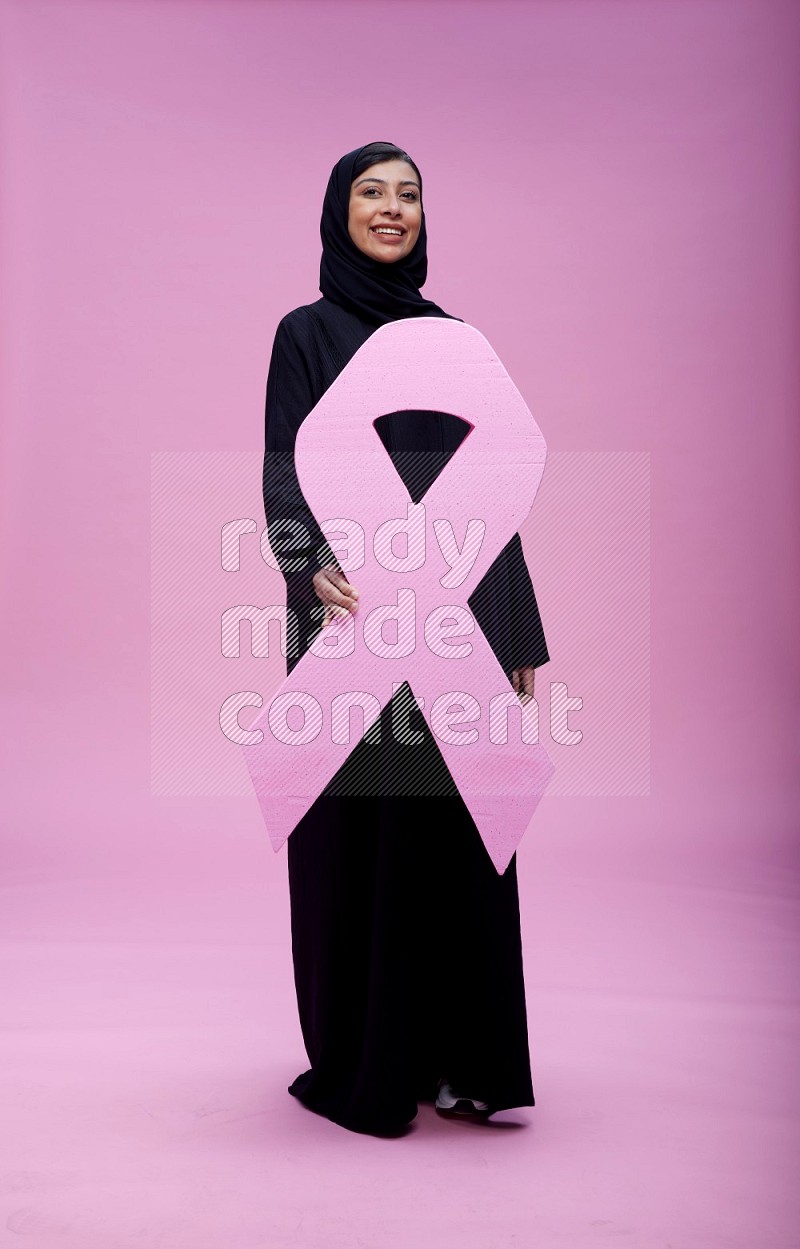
{"x":391,"y":238}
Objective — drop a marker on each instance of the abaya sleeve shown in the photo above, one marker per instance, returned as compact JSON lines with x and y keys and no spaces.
{"x":529,"y":647}
{"x":297,"y":542}
{"x":505,"y":607}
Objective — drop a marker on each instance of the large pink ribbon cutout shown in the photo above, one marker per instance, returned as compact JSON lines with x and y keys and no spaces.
{"x":496,"y":760}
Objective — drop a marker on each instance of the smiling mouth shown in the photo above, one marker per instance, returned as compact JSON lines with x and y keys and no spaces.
{"x":387,"y":232}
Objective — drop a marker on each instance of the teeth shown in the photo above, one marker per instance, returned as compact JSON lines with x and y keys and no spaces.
{"x":386,"y":230}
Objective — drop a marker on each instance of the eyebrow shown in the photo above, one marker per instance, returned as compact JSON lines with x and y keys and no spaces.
{"x":407,"y":182}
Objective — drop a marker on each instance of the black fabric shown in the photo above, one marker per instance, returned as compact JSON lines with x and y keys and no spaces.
{"x":405,"y":940}
{"x":376,"y":291}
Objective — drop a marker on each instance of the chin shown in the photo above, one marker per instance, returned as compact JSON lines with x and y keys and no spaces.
{"x":389,"y":259}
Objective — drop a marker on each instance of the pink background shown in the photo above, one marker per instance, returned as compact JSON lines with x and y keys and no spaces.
{"x":612,"y":199}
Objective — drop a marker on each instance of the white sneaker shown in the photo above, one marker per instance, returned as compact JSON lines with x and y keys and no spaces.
{"x":456,"y":1104}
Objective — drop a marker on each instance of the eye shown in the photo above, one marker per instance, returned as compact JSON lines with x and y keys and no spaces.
{"x":371,"y":188}
{"x":411,"y":194}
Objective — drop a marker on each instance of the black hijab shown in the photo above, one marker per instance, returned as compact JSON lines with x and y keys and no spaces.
{"x":375,"y":291}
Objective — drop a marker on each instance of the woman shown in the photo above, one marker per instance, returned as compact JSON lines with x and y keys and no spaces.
{"x":405,"y":940}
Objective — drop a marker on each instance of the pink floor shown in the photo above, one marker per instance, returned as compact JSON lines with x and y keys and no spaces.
{"x":151,"y":1033}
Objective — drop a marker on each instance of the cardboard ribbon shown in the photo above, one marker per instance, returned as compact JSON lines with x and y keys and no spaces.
{"x":471,"y":511}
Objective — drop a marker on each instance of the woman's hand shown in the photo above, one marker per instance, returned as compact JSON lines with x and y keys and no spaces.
{"x":335,"y":592}
{"x":522,"y":679}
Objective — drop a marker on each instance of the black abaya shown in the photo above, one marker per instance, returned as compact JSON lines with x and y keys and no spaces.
{"x":405,"y":940}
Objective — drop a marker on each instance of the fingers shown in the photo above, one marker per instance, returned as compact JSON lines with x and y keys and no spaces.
{"x":335,"y":592}
{"x":331,"y":612}
{"x":523,"y":681}
{"x":342,"y":592}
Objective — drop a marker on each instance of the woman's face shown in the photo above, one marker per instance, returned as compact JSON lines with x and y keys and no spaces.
{"x":385,"y":210}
